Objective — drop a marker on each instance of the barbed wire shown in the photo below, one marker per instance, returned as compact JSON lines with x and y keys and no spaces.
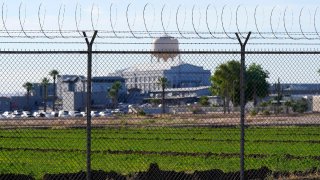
{"x":217,"y":18}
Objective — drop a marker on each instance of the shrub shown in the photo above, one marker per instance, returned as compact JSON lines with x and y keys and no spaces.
{"x":141,"y":113}
{"x":204,"y":101}
{"x":266,"y":113}
{"x":300,"y":106}
{"x":279,"y":110}
{"x":253,"y":112}
{"x":197,"y":111}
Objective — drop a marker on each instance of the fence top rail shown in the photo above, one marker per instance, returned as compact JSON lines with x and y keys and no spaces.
{"x":159,"y":52}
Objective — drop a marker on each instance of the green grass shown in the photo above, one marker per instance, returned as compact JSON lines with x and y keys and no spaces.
{"x":40,"y":151}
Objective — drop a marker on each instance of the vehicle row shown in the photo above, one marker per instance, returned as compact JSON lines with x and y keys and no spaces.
{"x":62,"y":114}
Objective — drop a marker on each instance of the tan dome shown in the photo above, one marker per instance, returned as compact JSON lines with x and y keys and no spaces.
{"x":167,"y":45}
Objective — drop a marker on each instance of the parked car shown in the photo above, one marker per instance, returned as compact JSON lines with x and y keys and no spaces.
{"x":84,"y":114}
{"x":75,"y":114}
{"x":105,"y":113}
{"x":16,"y":114}
{"x":35,"y":114}
{"x":7,"y":114}
{"x":48,"y":115}
{"x":26,"y":114}
{"x":44,"y":114}
{"x":117,"y":111}
{"x":54,"y":113}
{"x":64,"y":114}
{"x":94,"y":114}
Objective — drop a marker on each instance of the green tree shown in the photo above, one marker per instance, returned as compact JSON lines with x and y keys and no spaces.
{"x":288,"y":104}
{"x":54,"y":73}
{"x":163,"y":83}
{"x":204,"y":101}
{"x":114,"y":93}
{"x":257,"y":85}
{"x":263,"y":105}
{"x":28,"y":86}
{"x":225,"y":83}
{"x":45,"y":83}
{"x":300,"y":106}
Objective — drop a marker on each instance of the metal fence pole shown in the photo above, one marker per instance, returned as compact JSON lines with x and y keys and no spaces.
{"x":242,"y":102}
{"x":89,"y":73}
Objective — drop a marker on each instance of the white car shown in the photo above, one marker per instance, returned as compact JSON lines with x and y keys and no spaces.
{"x":54,"y":113}
{"x":16,"y":114}
{"x":7,"y":114}
{"x":105,"y":113}
{"x":43,"y":114}
{"x":26,"y":114}
{"x":94,"y":114}
{"x":117,"y":111}
{"x":75,"y":114}
{"x":64,"y":114}
{"x":84,"y":114}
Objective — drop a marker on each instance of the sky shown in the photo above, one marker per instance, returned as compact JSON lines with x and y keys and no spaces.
{"x":125,"y":15}
{"x":184,"y":15}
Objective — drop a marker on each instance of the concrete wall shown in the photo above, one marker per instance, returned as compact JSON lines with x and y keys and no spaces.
{"x":316,"y":103}
{"x":74,"y":101}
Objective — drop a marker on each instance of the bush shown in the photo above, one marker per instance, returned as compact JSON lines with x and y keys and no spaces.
{"x":253,"y":112}
{"x":266,"y":113}
{"x":300,"y":106}
{"x":278,"y":110}
{"x":197,"y":111}
{"x":204,"y":101}
{"x":141,"y":113}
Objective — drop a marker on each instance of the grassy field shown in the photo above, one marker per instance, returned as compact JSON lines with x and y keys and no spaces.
{"x":128,"y":150}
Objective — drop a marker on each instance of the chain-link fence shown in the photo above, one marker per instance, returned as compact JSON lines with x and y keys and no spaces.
{"x":159,"y":115}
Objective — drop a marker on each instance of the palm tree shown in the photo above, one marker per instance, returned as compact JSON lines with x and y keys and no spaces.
{"x":163,"y":82}
{"x":114,"y":91}
{"x":45,"y":83}
{"x":54,"y":73}
{"x":28,"y":86}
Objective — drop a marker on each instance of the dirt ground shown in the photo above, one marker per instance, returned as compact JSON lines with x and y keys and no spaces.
{"x":217,"y":119}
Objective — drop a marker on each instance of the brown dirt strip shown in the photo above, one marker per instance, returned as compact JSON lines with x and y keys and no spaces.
{"x":163,"y":153}
{"x":172,"y":139}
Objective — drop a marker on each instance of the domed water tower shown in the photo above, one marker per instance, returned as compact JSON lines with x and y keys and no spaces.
{"x":165,"y":47}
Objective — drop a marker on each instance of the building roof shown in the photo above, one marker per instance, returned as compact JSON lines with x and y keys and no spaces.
{"x":108,"y":79}
{"x":298,"y":87}
{"x":157,"y":66}
{"x":186,"y":89}
{"x":72,"y":78}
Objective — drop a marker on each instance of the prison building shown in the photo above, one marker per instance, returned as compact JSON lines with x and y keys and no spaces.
{"x":178,"y":74}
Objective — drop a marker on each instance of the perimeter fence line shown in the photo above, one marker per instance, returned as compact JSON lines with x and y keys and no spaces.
{"x":239,"y":119}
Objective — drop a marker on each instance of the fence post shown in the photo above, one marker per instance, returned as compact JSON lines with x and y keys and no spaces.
{"x":89,"y":74}
{"x":242,"y":102}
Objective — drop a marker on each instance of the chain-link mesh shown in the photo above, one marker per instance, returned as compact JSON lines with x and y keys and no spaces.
{"x":159,"y":117}
{"x":283,"y":125}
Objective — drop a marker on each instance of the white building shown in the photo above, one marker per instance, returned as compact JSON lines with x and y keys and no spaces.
{"x":72,"y":89}
{"x":179,"y":75}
